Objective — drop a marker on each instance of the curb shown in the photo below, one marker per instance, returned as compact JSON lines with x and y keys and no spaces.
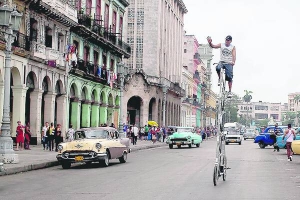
{"x":48,"y":164}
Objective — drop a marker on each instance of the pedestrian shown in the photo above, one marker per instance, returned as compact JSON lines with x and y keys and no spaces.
{"x":20,"y":136}
{"x":164,"y":133}
{"x":27,"y":136}
{"x":57,"y":136}
{"x":146,"y":129}
{"x":44,"y":135}
{"x":153,"y":134}
{"x":142,"y":131}
{"x":50,"y":137}
{"x":290,"y":135}
{"x":70,"y":133}
{"x":135,"y":131}
{"x":112,"y":125}
{"x":273,"y":136}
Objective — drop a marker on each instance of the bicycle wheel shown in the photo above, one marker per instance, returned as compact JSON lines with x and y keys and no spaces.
{"x":216,"y":176}
{"x":224,"y":168}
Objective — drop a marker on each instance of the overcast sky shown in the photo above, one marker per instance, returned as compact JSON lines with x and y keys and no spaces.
{"x":266,"y":34}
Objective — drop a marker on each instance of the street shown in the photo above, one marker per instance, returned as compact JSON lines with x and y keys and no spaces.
{"x":164,"y":174}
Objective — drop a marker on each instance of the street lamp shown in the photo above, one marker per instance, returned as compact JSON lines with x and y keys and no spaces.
{"x":122,"y":71}
{"x":10,"y":21}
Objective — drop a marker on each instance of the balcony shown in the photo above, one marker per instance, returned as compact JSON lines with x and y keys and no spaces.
{"x":95,"y":32}
{"x":52,"y":54}
{"x":20,"y":46}
{"x":58,"y":10}
{"x":196,"y":77}
{"x":196,"y":103}
{"x":197,"y":58}
{"x":38,"y":50}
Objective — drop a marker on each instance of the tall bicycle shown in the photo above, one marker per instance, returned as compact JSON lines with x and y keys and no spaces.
{"x":220,"y":168}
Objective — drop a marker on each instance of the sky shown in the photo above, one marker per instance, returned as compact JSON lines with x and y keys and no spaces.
{"x":266,"y":34}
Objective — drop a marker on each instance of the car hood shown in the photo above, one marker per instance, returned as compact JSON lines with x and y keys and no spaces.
{"x":84,"y":144}
{"x":181,"y":135}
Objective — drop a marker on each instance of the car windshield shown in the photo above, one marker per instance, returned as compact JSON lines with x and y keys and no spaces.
{"x":250,"y":131}
{"x":91,"y":134}
{"x":233,"y":132}
{"x":183,"y":130}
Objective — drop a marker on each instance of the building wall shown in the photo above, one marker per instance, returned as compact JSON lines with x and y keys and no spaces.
{"x":292,"y":104}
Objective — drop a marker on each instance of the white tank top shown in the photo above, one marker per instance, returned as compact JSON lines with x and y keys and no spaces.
{"x":226,"y":53}
{"x":290,"y":136}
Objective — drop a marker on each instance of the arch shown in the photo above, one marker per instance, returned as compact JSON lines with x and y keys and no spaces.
{"x":74,"y":91}
{"x":31,"y":80}
{"x":103,"y":97}
{"x":84,"y":93}
{"x":151,"y":110}
{"x":110,"y":100}
{"x":134,"y":110}
{"x":46,"y":84}
{"x":117,"y":101}
{"x":59,"y":87}
{"x":16,"y":76}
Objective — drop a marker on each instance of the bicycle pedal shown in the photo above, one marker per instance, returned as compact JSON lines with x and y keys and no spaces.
{"x":228,"y":168}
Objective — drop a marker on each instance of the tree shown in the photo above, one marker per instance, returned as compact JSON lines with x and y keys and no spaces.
{"x":297,"y":99}
{"x":247,"y":97}
{"x":231,"y":108}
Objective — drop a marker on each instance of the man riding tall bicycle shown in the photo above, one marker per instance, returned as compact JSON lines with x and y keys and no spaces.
{"x":227,"y":59}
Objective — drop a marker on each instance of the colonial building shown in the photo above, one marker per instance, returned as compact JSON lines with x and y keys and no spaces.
{"x":39,"y":74}
{"x":190,"y":82}
{"x":96,"y":48}
{"x":294,"y":101}
{"x":211,"y":111}
{"x":152,"y":89}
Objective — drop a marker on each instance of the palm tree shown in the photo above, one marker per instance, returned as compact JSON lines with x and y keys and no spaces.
{"x":247,"y":98}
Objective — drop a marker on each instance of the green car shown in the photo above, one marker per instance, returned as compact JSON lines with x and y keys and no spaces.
{"x":183,"y":136}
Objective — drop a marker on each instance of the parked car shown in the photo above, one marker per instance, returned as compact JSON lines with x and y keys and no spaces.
{"x":263,"y":139}
{"x":233,"y":136}
{"x":296,"y":147}
{"x":249,"y":134}
{"x":94,"y":145}
{"x":184,"y":136}
{"x":282,"y":143}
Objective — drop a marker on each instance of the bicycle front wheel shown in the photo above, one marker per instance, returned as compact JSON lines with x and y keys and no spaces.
{"x":215,"y":177}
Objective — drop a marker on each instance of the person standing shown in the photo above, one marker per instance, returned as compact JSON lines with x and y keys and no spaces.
{"x":57,"y":136}
{"x":44,"y":135}
{"x":27,"y":136}
{"x":164,"y":133}
{"x":50,"y":137}
{"x":153,"y":134}
{"x":20,"y":135}
{"x":290,"y":135}
{"x":135,"y":131}
{"x":70,"y":134}
{"x":274,"y":137}
{"x":146,"y":130}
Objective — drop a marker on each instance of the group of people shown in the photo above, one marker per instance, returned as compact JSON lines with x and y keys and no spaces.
{"x":23,"y":136}
{"x":51,"y":135}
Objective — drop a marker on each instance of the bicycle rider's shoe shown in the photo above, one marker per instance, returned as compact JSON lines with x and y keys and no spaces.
{"x":229,"y":95}
{"x":219,"y":82}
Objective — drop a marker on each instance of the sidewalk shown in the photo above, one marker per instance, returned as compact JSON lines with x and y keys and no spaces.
{"x":37,"y":158}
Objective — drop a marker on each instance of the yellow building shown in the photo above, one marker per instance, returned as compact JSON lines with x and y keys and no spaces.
{"x":211,"y":104}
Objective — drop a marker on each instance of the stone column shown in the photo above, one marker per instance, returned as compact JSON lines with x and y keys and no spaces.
{"x":1,"y":100}
{"x":95,"y":115}
{"x":49,"y":107}
{"x":86,"y":114}
{"x":61,"y":113}
{"x":144,"y":112}
{"x":75,"y":113}
{"x":18,"y":113}
{"x":154,"y":112}
{"x":35,"y":115}
{"x":103,"y":114}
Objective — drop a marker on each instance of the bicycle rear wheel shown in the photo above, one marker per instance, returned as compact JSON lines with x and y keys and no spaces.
{"x":224,"y":168}
{"x":216,"y":176}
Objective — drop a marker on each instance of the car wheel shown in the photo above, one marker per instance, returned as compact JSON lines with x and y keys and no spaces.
{"x":244,"y":138}
{"x":261,"y":145}
{"x":171,"y":146}
{"x":190,"y":146}
{"x":226,"y":143}
{"x":123,"y":159}
{"x":198,"y":145}
{"x":240,"y":143}
{"x":105,"y":161}
{"x":88,"y":163}
{"x":66,"y":165}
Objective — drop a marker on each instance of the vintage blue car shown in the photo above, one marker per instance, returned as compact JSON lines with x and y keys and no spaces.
{"x":282,"y":144}
{"x":263,"y":139}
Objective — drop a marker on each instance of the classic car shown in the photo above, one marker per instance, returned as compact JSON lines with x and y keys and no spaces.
{"x":233,"y":136}
{"x":94,"y":145}
{"x":296,"y":147}
{"x":184,"y":136}
{"x":282,"y":143}
{"x":249,"y":134}
{"x":263,"y":139}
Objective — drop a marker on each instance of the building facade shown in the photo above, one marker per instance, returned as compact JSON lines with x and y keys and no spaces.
{"x":152,"y":87}
{"x":95,"y":50}
{"x":294,"y":101}
{"x":190,"y":82}
{"x":260,"y":111}
{"x":211,"y":111}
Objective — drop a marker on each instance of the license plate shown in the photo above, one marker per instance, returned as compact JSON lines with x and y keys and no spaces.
{"x":178,"y":143}
{"x":78,"y":158}
{"x":232,"y":140}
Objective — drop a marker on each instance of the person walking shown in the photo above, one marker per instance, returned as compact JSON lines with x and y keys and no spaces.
{"x":153,"y":134}
{"x":290,"y":135}
{"x":50,"y":137}
{"x":273,"y":136}
{"x":164,"y":133}
{"x":135,"y":131}
{"x":20,"y":136}
{"x":57,"y":136}
{"x":44,"y":135}
{"x":70,"y":133}
{"x":146,"y":129}
{"x":27,"y":136}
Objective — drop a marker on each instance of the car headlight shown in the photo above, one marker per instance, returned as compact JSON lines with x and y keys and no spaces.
{"x":60,"y":147}
{"x":98,"y":146}
{"x":189,"y":137}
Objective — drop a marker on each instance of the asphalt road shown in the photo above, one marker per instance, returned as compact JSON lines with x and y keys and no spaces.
{"x":166,"y":174}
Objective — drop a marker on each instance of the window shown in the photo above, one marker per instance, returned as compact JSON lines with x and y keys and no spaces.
{"x":86,"y":53}
{"x":261,"y":116}
{"x":60,"y":42}
{"x":96,"y":58}
{"x":261,"y":107}
{"x":114,"y":21}
{"x":104,"y":61}
{"x":185,"y":51}
{"x":33,"y":29}
{"x":112,"y":65}
{"x":78,"y":5}
{"x":48,"y":37}
{"x":121,"y":26}
{"x":88,"y":7}
{"x":106,"y":16}
{"x":98,"y":11}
